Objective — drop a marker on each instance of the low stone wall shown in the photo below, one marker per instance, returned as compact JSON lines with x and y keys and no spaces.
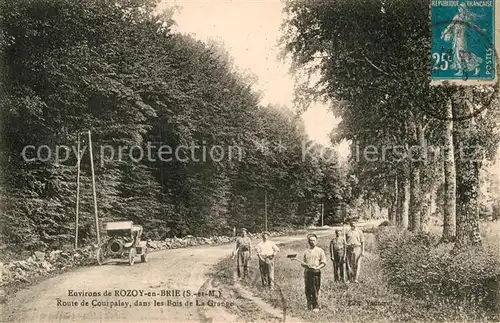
{"x":189,"y":241}
{"x":41,"y":264}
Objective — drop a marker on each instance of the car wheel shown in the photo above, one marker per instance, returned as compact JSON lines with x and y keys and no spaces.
{"x":100,"y":256}
{"x":131,"y":256}
{"x":144,"y":257}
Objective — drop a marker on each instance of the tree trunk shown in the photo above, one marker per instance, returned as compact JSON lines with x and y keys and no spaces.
{"x":399,"y":204}
{"x":467,"y":204}
{"x":496,"y":211}
{"x":432,"y":206}
{"x":449,"y":203}
{"x":405,"y":203}
{"x":422,"y":165}
{"x":426,"y":212}
{"x":393,"y":208}
{"x":468,"y":162}
{"x":417,"y":167}
{"x":415,"y":199}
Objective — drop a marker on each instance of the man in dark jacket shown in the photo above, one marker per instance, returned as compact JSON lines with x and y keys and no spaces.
{"x":338,"y":255}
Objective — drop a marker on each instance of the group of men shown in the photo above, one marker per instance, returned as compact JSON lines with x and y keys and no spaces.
{"x":266,"y":251}
{"x":346,"y":251}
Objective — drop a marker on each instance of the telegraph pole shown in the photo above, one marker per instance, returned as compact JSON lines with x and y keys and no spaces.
{"x":265,"y":209}
{"x":93,"y":190}
{"x":77,"y":192}
{"x":322,"y":209}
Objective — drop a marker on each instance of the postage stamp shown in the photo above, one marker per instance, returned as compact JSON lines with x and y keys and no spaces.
{"x":463,"y":42}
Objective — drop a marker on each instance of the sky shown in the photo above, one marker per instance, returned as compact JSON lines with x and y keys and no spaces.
{"x":250,"y":30}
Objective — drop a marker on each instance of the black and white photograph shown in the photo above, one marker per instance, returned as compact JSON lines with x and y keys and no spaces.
{"x":249,"y":161}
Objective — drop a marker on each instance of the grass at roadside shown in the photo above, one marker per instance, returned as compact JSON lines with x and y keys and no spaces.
{"x":370,"y":300}
{"x":245,"y":309}
{"x":467,"y":282}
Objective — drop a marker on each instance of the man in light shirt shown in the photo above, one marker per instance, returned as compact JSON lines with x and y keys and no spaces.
{"x":314,"y":260}
{"x":355,"y":241}
{"x":266,"y":251}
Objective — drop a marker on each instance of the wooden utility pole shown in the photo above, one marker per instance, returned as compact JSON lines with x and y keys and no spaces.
{"x":393,"y":218}
{"x":322,"y":209}
{"x":77,"y":192}
{"x":265,"y":209}
{"x":94,"y":191}
{"x":161,"y":162}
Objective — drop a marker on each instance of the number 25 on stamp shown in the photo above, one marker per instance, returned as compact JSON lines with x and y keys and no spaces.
{"x":463,"y":42}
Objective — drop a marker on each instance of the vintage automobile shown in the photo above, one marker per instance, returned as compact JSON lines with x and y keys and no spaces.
{"x":123,"y":242}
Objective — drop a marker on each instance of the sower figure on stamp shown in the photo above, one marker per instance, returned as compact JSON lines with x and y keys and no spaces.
{"x":243,"y":253}
{"x":355,"y":241}
{"x":464,"y":61}
{"x":266,"y":251}
{"x":338,"y":255}
{"x":314,"y":260}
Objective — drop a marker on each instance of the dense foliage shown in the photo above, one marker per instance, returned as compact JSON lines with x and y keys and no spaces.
{"x":402,"y":130}
{"x":469,"y":280}
{"x":415,"y":148}
{"x":115,"y":68}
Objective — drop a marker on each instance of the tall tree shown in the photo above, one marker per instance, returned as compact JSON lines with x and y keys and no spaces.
{"x":116,"y":68}
{"x":354,"y":65}
{"x":449,"y":207}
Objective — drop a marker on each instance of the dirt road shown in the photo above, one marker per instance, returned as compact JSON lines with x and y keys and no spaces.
{"x":178,"y":273}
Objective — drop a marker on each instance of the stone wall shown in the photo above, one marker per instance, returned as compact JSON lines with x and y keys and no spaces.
{"x":41,"y":264}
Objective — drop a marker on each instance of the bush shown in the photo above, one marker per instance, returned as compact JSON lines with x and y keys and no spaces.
{"x":414,"y":264}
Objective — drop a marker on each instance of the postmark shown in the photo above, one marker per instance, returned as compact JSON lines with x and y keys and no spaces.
{"x":463,"y":43}
{"x":478,"y":98}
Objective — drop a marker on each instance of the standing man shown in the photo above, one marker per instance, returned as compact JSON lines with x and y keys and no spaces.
{"x":243,"y":253}
{"x":266,"y":251}
{"x":314,"y":260}
{"x":338,"y":255}
{"x":355,"y":240}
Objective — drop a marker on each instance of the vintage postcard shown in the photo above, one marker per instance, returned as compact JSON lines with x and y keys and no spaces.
{"x":464,"y":42}
{"x":249,"y":161}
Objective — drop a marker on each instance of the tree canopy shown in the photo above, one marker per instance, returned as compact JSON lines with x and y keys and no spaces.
{"x":116,"y":68}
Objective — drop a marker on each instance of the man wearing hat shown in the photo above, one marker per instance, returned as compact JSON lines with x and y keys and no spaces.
{"x":355,"y":241}
{"x":266,"y":251}
{"x":243,"y":253}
